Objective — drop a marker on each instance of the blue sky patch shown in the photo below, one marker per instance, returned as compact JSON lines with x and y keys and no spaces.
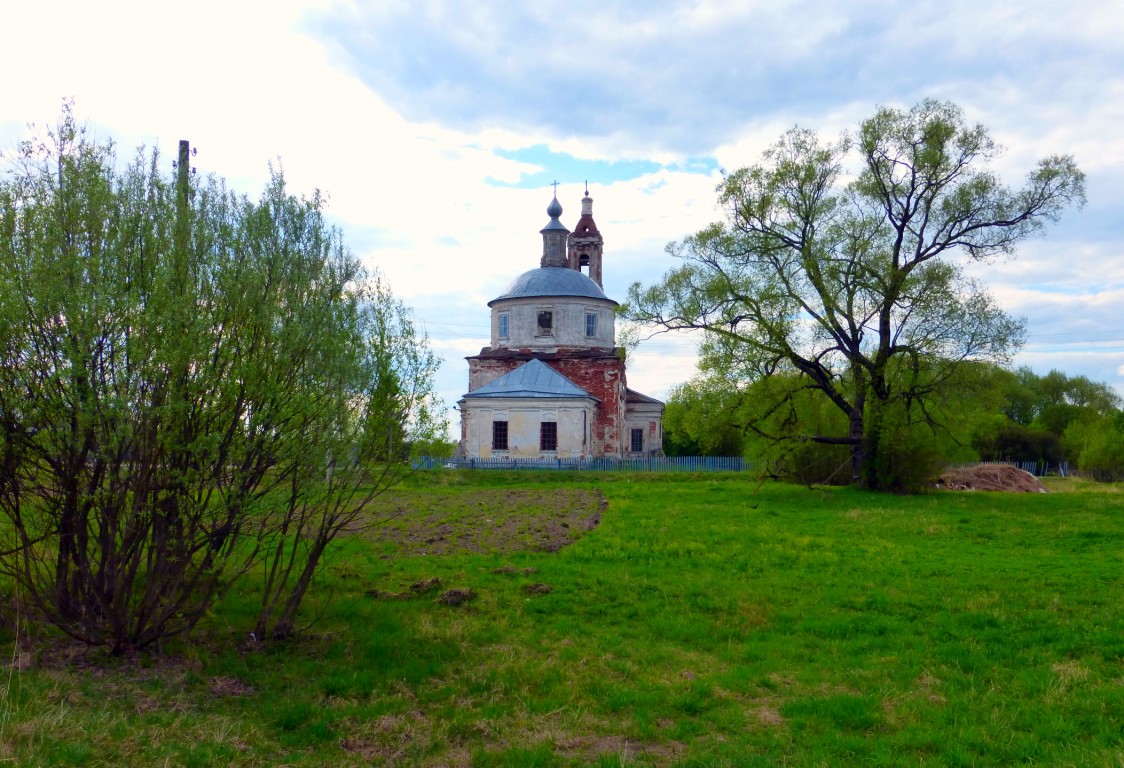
{"x":567,"y":169}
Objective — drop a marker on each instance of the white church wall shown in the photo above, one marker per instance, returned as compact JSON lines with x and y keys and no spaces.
{"x":568,"y":321}
{"x":572,"y":417}
{"x":647,"y":417}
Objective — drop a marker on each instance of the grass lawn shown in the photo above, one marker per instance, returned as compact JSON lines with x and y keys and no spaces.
{"x":630,"y":620}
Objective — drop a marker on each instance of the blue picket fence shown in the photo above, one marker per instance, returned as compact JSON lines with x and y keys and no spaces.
{"x":646,"y":464}
{"x":676,"y":464}
{"x":1036,"y":468}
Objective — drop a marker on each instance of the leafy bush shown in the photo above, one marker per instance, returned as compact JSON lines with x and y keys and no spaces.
{"x":1098,"y":446}
{"x":191,"y":385}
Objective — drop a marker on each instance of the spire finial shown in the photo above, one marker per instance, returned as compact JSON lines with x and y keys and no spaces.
{"x":587,"y":187}
{"x":556,"y":189}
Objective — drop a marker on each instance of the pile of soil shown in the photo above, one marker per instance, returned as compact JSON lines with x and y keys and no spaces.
{"x":990,"y":477}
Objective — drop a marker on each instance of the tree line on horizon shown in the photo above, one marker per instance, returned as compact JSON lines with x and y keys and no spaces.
{"x":991,"y":414}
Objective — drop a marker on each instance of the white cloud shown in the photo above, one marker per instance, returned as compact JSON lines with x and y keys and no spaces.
{"x":662,"y":362}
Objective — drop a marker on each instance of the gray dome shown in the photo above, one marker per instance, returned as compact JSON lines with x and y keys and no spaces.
{"x":552,"y":281}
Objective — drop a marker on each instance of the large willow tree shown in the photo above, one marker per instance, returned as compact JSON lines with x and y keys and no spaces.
{"x":848,"y":285}
{"x":193,"y":387}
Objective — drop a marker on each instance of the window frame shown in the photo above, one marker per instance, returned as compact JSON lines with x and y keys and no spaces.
{"x":548,"y":435}
{"x":499,"y":432}
{"x":539,"y":328}
{"x":590,"y":320}
{"x":503,"y":325}
{"x":636,"y":437}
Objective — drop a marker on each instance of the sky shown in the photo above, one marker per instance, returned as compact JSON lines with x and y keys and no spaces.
{"x":436,"y":128}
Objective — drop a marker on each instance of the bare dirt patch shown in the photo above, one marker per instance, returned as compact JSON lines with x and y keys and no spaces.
{"x":455,"y":597}
{"x":769,"y":716}
{"x":990,"y":477}
{"x":384,"y":740}
{"x":588,"y":748}
{"x":492,"y":521}
{"x":230,"y":686}
{"x":425,"y":585}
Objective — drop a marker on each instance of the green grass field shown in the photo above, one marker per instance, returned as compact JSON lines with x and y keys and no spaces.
{"x":690,"y":621}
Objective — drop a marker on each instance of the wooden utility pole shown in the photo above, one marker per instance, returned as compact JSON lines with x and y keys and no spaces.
{"x":182,"y":234}
{"x":183,"y":192}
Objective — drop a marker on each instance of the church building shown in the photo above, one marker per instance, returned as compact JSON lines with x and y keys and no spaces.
{"x":552,"y":383}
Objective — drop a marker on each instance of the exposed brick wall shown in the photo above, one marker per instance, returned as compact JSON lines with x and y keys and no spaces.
{"x":603,"y":378}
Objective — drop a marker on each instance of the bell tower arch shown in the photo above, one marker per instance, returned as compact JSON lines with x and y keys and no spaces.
{"x":585,"y":246}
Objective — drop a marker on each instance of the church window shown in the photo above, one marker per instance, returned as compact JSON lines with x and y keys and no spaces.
{"x":548,"y":436}
{"x":637,"y":440}
{"x":502,"y":322}
{"x":545,"y":323}
{"x":499,"y":435}
{"x":591,"y":324}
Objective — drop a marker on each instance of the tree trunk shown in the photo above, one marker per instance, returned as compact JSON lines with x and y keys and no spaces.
{"x":288,"y":619}
{"x":871,"y":476}
{"x":858,"y":449}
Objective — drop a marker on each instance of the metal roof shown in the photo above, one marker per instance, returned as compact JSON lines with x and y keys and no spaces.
{"x":552,"y":281}
{"x":532,"y":379}
{"x":632,"y":396}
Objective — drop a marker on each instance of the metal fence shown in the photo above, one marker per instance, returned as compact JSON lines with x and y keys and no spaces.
{"x":676,"y":464}
{"x":1036,"y":468}
{"x":646,"y":464}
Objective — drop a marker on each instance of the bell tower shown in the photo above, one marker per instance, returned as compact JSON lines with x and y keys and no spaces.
{"x":585,"y":246}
